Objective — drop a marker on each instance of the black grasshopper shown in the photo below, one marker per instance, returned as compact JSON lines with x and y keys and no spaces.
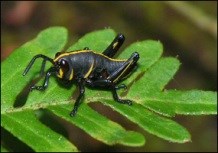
{"x":86,"y":67}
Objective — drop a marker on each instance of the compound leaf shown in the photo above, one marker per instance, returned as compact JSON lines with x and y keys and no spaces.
{"x":151,"y":102}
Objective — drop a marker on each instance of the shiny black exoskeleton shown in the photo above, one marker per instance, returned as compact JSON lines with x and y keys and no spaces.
{"x":86,"y":67}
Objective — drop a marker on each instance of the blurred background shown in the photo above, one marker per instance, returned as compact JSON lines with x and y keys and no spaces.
{"x":187,"y":30}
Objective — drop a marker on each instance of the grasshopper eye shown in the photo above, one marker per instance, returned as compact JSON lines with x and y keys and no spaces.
{"x":64,"y":66}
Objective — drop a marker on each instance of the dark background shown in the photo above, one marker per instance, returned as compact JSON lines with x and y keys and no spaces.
{"x":187,"y":30}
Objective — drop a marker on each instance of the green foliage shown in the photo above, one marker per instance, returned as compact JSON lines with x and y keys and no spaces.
{"x":152,"y":103}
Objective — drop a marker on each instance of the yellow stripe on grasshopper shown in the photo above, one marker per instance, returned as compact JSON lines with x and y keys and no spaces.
{"x":60,"y":74}
{"x":89,"y":71}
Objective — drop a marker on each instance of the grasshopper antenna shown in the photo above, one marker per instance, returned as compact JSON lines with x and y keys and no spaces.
{"x":45,"y":58}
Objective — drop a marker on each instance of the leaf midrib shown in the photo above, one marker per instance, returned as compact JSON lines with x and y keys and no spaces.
{"x":138,"y":101}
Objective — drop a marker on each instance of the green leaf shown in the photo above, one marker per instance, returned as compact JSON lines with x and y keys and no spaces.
{"x":42,"y":44}
{"x":30,"y":130}
{"x":150,"y":51}
{"x":153,"y":123}
{"x":194,"y":102}
{"x":151,"y":102}
{"x":22,"y":123}
{"x":97,"y":126}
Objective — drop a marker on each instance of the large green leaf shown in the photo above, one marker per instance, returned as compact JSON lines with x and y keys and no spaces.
{"x":145,"y":88}
{"x":29,"y":129}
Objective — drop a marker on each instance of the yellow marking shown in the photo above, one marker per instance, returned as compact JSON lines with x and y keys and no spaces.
{"x":115,"y":45}
{"x":112,"y":59}
{"x":71,"y":75}
{"x":85,"y":51}
{"x":123,"y":72}
{"x":60,"y":75}
{"x":69,"y":53}
{"x":89,"y":71}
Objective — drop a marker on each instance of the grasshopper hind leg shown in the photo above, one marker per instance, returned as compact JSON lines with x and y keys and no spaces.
{"x":117,"y":99}
{"x":112,"y":49}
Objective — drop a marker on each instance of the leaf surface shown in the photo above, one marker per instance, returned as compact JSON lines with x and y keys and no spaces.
{"x":152,"y":109}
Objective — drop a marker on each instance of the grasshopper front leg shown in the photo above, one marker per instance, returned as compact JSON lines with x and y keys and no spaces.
{"x":50,"y":72}
{"x":79,"y":98}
